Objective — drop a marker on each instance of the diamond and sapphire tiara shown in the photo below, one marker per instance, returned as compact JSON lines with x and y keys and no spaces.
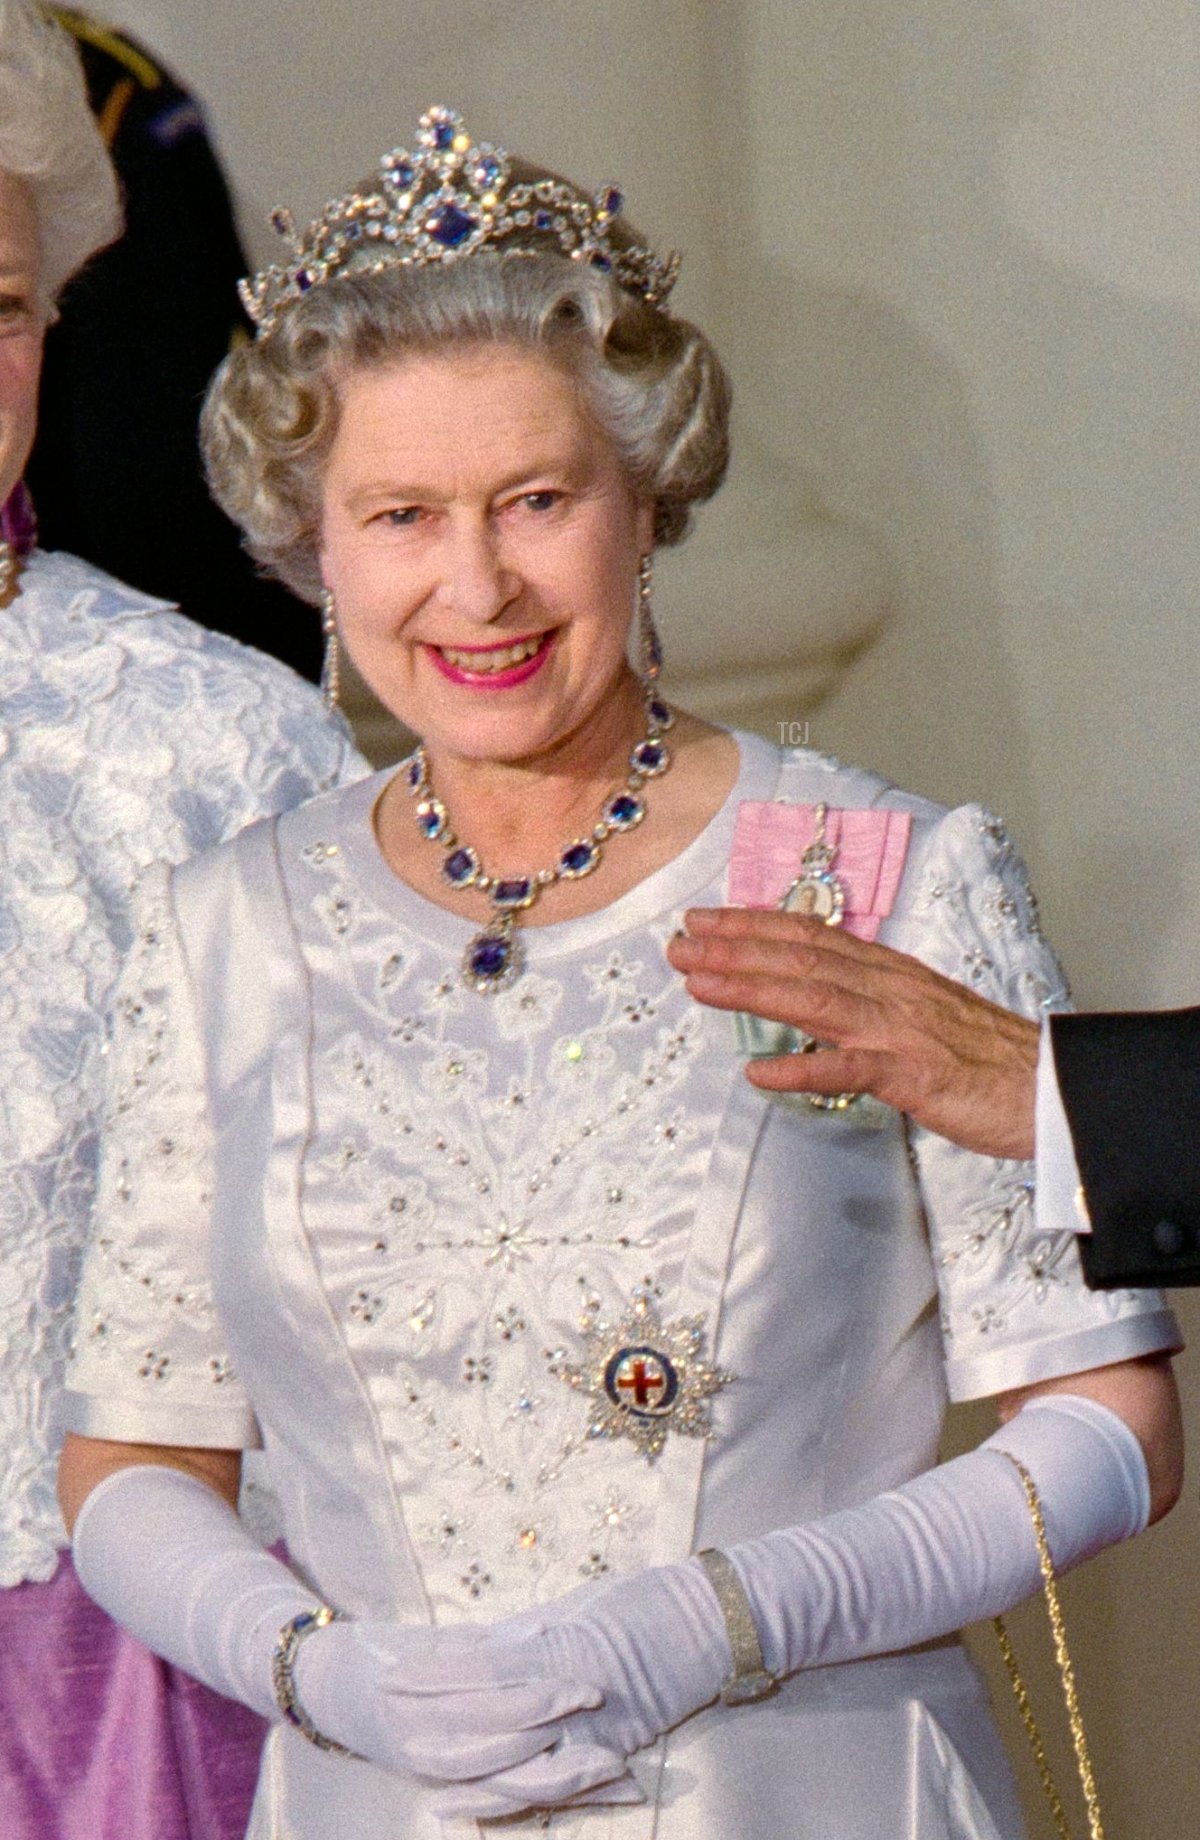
{"x":441,"y":203}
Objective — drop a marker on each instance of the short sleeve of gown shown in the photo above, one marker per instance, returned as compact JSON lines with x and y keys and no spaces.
{"x":1014,"y":1305}
{"x":148,"y":1364}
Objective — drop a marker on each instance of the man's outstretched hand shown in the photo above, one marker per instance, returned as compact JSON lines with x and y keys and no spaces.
{"x":957,"y":1064}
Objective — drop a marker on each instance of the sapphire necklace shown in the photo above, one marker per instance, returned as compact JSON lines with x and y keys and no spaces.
{"x":494,"y":957}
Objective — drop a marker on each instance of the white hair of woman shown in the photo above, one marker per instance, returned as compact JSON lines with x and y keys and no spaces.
{"x":49,"y":138}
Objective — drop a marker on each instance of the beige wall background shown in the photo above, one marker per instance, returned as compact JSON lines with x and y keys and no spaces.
{"x":951,"y":250}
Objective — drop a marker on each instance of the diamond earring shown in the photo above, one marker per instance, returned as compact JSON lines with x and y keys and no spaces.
{"x":649,"y":643}
{"x":331,"y":663}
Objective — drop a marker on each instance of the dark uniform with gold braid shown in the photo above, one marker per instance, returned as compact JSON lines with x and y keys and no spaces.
{"x":115,"y":473}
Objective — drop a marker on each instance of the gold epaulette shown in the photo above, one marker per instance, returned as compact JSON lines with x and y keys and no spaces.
{"x":108,"y":39}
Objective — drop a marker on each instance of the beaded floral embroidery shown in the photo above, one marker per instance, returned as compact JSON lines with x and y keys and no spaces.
{"x":129,"y":736}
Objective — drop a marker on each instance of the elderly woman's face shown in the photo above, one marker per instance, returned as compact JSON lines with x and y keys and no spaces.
{"x":481,"y":543}
{"x":22,"y":324}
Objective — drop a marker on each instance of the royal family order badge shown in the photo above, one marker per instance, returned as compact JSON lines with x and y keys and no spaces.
{"x":644,"y":1379}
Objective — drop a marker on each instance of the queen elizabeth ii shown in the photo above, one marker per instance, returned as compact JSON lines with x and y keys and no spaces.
{"x":602,"y":1390}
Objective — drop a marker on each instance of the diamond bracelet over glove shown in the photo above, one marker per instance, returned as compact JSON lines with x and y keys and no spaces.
{"x":751,"y":1678}
{"x":283,"y":1661}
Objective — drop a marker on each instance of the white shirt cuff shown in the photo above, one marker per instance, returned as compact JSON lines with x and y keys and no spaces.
{"x":1059,"y":1199}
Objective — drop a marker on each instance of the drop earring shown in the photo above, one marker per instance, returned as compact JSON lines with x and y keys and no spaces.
{"x":331,"y":663}
{"x":649,"y":643}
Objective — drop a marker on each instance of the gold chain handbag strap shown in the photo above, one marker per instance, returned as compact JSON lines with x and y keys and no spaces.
{"x":1066,"y":1671}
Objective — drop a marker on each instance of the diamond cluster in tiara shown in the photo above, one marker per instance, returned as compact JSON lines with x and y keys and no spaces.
{"x":441,"y":203}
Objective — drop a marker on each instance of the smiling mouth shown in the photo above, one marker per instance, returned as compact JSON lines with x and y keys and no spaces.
{"x":490,"y":660}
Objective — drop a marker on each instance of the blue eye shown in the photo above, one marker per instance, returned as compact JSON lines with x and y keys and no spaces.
{"x":403,"y":517}
{"x":542,"y":501}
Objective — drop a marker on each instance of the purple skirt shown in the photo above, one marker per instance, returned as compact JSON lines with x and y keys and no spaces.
{"x":100,"y":1740}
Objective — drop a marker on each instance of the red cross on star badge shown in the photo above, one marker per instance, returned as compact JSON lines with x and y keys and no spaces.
{"x":644,"y":1378}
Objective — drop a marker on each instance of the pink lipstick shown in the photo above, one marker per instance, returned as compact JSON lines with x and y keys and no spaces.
{"x":492,"y":680}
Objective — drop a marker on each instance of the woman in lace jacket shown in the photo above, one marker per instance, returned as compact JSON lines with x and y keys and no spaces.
{"x":426,"y":1168}
{"x":126,"y":735}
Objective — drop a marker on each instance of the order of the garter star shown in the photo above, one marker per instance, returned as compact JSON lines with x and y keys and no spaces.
{"x":644,"y":1378}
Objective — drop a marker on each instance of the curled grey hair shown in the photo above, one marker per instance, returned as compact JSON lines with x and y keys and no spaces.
{"x":653,"y":383}
{"x":48,"y":137}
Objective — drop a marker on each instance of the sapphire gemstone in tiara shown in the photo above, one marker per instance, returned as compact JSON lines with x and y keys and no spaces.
{"x":486,"y":172}
{"x":452,"y":227}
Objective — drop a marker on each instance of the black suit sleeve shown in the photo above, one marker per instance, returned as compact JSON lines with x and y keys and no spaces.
{"x":1130,"y":1086}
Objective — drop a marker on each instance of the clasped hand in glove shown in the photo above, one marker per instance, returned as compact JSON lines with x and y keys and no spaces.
{"x":652,"y":1648}
{"x":545,"y":1708}
{"x":446,"y":1706}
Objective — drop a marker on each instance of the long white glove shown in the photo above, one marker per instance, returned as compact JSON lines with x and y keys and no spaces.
{"x":170,"y":1560}
{"x":952,"y":1546}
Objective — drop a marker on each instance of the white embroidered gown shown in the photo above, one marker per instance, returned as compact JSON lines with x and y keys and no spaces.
{"x":426,"y":1228}
{"x":128,"y":735}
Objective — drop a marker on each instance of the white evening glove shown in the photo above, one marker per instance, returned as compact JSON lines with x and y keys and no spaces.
{"x":168,"y":1559}
{"x":954,"y":1545}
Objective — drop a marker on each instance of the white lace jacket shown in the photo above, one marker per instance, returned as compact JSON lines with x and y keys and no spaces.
{"x":127,"y":734}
